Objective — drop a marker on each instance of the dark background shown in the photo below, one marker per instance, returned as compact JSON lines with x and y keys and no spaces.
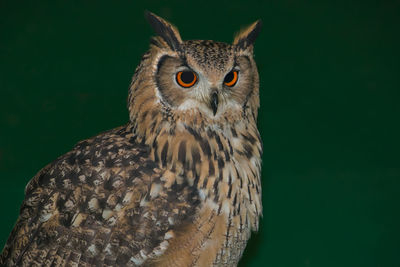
{"x":329,"y":117}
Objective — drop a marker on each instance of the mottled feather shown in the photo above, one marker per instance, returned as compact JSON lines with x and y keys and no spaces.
{"x":97,"y":205}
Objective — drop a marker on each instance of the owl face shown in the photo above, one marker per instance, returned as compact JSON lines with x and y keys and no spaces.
{"x":205,"y":76}
{"x":194,"y":80}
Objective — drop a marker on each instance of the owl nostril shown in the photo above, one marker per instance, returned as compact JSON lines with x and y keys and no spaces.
{"x":214,"y":102}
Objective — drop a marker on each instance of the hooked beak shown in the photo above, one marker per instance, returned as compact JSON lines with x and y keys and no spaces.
{"x":214,"y":102}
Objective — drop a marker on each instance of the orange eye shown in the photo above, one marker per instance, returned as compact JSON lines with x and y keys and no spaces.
{"x":231,"y":78}
{"x":186,"y":78}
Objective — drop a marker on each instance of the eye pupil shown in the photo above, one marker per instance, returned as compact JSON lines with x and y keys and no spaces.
{"x":229,"y":77}
{"x":187,"y":77}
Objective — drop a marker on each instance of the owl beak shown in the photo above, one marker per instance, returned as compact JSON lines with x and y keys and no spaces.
{"x":214,"y":102}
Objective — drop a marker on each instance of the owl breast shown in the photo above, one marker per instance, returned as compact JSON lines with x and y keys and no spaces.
{"x":223,"y":162}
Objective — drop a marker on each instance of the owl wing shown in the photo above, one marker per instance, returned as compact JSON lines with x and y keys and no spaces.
{"x":103,"y":203}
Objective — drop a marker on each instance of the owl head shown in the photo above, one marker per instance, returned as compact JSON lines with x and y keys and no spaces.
{"x":196,"y":82}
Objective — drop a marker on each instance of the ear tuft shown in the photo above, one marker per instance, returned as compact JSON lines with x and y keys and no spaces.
{"x":165,"y":30}
{"x":247,"y":37}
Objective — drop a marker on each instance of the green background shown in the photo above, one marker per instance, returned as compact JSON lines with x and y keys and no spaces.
{"x":329,"y":117}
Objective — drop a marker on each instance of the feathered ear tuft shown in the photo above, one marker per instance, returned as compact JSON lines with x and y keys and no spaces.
{"x":165,"y":30}
{"x":245,"y":38}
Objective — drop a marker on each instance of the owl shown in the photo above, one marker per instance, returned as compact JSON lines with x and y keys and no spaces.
{"x":178,"y":185}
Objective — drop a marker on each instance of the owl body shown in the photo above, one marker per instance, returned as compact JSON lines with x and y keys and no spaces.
{"x":179,"y":185}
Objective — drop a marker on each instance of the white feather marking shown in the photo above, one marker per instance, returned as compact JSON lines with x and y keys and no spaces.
{"x":45,"y":217}
{"x":108,"y":249}
{"x":155,"y":190}
{"x":92,"y":249}
{"x":212,"y":204}
{"x":107,"y":214}
{"x":137,"y":261}
{"x":127,"y":198}
{"x":226,"y":206}
{"x":93,"y":204}
{"x":143,"y":254}
{"x":168,"y":235}
{"x":202,"y":194}
{"x":69,"y":204}
{"x":143,"y":202}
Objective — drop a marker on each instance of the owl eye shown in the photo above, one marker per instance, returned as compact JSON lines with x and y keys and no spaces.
{"x":186,"y":78}
{"x":231,"y":78}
